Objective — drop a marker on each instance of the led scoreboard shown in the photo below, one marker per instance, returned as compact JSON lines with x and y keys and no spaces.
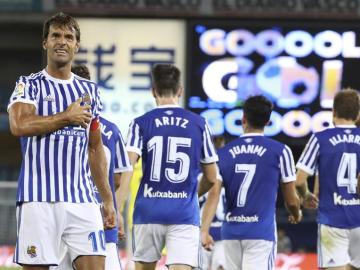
{"x":299,"y":65}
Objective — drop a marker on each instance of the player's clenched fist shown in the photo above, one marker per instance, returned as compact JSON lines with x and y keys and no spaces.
{"x":79,"y":115}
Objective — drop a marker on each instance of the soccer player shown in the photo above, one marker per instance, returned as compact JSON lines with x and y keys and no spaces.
{"x":56,"y":114}
{"x":118,"y":162}
{"x":173,"y":142}
{"x":252,"y":167}
{"x":215,"y":258}
{"x":335,"y":153}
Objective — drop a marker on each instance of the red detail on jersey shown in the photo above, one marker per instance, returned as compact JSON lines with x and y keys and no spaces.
{"x":94,"y":124}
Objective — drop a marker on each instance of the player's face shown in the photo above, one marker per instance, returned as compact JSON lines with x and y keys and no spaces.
{"x":61,"y":45}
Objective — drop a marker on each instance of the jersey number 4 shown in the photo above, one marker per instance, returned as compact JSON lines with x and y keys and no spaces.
{"x":346,"y":174}
{"x":249,"y":171}
{"x":173,"y":155}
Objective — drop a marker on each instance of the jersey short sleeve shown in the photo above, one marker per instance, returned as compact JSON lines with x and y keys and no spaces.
{"x":134,"y":140}
{"x":97,"y":108}
{"x":24,"y":92}
{"x":287,"y":165}
{"x":308,"y":159}
{"x":121,"y":161}
{"x":208,"y":153}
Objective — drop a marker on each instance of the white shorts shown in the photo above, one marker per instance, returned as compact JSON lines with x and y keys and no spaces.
{"x":112,"y":261}
{"x":249,"y":254}
{"x":215,"y":258}
{"x":44,"y":229}
{"x":182,"y":243}
{"x":338,"y":247}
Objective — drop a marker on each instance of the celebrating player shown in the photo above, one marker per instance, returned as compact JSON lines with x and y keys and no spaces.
{"x":57,"y":117}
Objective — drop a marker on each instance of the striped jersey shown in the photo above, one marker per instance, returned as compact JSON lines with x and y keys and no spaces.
{"x":172,"y":142}
{"x":118,"y":162}
{"x":54,"y":166}
{"x":335,"y":154}
{"x":252,"y":168}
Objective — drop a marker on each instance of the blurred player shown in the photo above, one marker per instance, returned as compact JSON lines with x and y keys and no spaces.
{"x":252,"y":167}
{"x":215,"y":258}
{"x":118,"y":162}
{"x":335,"y":153}
{"x":57,"y":117}
{"x":172,"y":142}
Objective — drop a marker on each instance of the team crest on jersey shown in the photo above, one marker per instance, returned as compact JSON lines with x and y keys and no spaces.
{"x":19,"y":89}
{"x":49,"y":98}
{"x":31,"y":251}
{"x":169,"y":112}
{"x":86,"y":99}
{"x":248,"y":140}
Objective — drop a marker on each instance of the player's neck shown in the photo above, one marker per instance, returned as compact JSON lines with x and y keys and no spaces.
{"x":343,"y":122}
{"x":167,"y":101}
{"x":253,"y":130}
{"x":62,"y":73}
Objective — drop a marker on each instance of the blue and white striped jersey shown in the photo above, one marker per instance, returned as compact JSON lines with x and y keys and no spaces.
{"x":335,"y":154}
{"x":54,"y":167}
{"x":252,"y":167}
{"x":172,"y":142}
{"x":118,"y":162}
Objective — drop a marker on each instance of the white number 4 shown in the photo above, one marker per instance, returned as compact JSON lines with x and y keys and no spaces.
{"x":249,"y":170}
{"x":346,"y":175}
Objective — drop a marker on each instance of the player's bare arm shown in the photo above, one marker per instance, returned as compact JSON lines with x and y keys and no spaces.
{"x":99,"y":173}
{"x":208,"y":214}
{"x":209,"y":178}
{"x":292,"y":201}
{"x":358,"y":185}
{"x":122,"y":192}
{"x":309,"y":200}
{"x":25,"y":122}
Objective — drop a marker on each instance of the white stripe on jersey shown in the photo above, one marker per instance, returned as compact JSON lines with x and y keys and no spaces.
{"x":310,"y":153}
{"x":287,"y":166}
{"x":35,"y":175}
{"x":60,"y":169}
{"x":26,"y":168}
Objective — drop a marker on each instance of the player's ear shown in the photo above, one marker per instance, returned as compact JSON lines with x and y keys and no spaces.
{"x":77,"y":46}
{"x":44,"y":44}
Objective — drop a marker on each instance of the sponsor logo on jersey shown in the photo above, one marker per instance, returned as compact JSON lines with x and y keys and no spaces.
{"x":338,"y":200}
{"x":242,"y":218}
{"x":71,"y":131}
{"x":150,"y":193}
{"x":31,"y":251}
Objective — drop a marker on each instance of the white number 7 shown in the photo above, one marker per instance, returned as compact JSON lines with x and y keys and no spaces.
{"x":249,"y":170}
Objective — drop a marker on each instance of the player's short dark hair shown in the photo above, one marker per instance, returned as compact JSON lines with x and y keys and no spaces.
{"x":61,"y":20}
{"x":165,"y":79}
{"x":257,"y":110}
{"x":347,"y":104}
{"x":81,"y":70}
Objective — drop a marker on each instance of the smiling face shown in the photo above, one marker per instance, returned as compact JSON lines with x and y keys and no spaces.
{"x":61,"y":45}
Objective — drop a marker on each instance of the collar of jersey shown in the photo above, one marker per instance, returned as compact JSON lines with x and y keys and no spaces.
{"x":252,"y":134}
{"x":345,"y":126}
{"x":167,"y":106}
{"x":47,"y":75}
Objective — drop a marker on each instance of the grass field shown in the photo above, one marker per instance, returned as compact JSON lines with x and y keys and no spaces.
{"x":11,"y":268}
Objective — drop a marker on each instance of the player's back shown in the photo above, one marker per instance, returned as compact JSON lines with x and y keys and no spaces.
{"x":251,"y":167}
{"x":338,"y":166}
{"x":172,"y":141}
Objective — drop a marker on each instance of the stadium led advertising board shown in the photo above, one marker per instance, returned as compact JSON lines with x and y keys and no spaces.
{"x":299,"y":65}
